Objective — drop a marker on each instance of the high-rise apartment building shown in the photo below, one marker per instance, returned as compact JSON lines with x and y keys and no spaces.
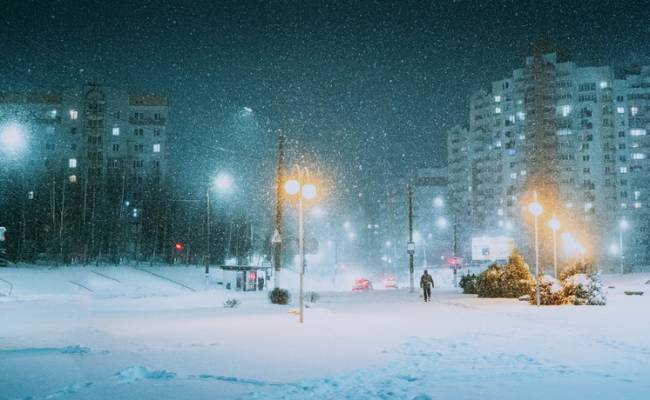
{"x":574,"y":136}
{"x":88,"y":182}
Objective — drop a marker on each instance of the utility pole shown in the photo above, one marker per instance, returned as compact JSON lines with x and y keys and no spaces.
{"x":411,"y":246}
{"x":277,"y":234}
{"x":455,"y":252}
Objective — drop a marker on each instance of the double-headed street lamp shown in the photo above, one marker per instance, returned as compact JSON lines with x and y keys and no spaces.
{"x":554,"y":224}
{"x":304,"y":190}
{"x":536,"y":209}
{"x":622,"y":225}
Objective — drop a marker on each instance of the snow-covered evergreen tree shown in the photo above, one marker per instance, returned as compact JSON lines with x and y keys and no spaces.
{"x":596,"y":293}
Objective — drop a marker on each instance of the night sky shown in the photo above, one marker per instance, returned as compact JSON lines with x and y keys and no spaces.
{"x":369,"y":86}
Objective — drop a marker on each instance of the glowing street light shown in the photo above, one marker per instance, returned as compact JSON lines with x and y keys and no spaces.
{"x":12,"y":139}
{"x":438,"y":202}
{"x":554,"y":224}
{"x":306,"y":191}
{"x":441,"y":223}
{"x":622,"y":226}
{"x":536,"y":209}
{"x":223,"y":182}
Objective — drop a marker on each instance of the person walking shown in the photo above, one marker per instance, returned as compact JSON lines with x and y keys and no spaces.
{"x":426,"y":283}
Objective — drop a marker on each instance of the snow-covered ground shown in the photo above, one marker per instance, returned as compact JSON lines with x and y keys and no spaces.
{"x":163,"y":333}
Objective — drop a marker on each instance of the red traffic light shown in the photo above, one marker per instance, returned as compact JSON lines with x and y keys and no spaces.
{"x":179,"y":246}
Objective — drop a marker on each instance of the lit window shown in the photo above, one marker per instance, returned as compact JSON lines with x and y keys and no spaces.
{"x":73,"y":114}
{"x":497,"y":110}
{"x":623,"y":170}
{"x":72,"y":178}
{"x":566,"y":110}
{"x":634,"y":111}
{"x":498,"y":143}
{"x":497,"y":99}
{"x":513,"y":175}
{"x":623,"y":205}
{"x":53,"y":113}
{"x":511,"y":118}
{"x":72,"y":163}
{"x":116,"y":131}
{"x":523,"y":172}
{"x":500,"y":211}
{"x":638,"y":156}
{"x":522,"y":137}
{"x":637,"y":194}
{"x":620,"y":110}
{"x":568,"y":205}
{"x":588,"y":206}
{"x":604,"y":84}
{"x":563,"y":132}
{"x":637,"y":132}
{"x":521,"y":115}
{"x":156,"y":148}
{"x":30,"y":195}
{"x":637,"y":204}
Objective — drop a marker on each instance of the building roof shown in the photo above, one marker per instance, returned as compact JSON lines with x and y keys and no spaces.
{"x":148,"y":100}
{"x":30,"y":98}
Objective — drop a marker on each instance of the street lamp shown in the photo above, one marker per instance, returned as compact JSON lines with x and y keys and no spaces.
{"x":223,"y":183}
{"x":554,"y":224}
{"x":622,"y":225}
{"x":12,"y":139}
{"x":305,"y":190}
{"x":536,"y":209}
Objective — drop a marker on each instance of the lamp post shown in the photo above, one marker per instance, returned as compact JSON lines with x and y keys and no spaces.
{"x":554,"y":224}
{"x":305,"y":191}
{"x":622,"y":225}
{"x":536,"y":209}
{"x":223,"y":183}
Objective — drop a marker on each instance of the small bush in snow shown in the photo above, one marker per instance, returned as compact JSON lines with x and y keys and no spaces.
{"x":513,"y":280}
{"x":279,"y":296}
{"x":312,"y":297}
{"x":579,"y":285}
{"x":231,"y":303}
{"x":468,"y":283}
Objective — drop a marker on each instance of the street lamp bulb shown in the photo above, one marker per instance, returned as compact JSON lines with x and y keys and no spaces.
{"x":438,"y":202}
{"x":554,"y":224}
{"x":292,"y":187}
{"x":441,"y":222}
{"x":623,"y":224}
{"x":535,"y":208}
{"x":223,"y":182}
{"x":309,"y":191}
{"x":12,"y":138}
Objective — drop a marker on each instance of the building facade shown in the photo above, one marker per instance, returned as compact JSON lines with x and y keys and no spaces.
{"x":89,"y":181}
{"x":575,"y":137}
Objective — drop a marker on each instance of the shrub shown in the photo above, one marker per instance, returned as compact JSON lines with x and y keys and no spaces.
{"x":231,"y":303}
{"x":516,"y":279}
{"x":549,"y":295}
{"x":579,"y":285}
{"x":488,"y":283}
{"x":468,"y":283}
{"x":279,"y":296}
{"x":513,"y":280}
{"x":312,"y":297}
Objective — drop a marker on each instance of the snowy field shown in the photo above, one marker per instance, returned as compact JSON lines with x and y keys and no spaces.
{"x":163,"y":333}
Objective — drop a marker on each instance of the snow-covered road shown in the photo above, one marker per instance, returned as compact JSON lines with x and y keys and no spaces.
{"x":123,"y":333}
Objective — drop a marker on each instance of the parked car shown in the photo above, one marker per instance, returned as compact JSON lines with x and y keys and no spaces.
{"x":390,"y":282}
{"x":361,"y":284}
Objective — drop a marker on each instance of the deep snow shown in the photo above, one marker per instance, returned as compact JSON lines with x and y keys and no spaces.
{"x":106,"y":332}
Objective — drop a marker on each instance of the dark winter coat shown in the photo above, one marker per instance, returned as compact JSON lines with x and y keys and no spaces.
{"x":426,"y":280}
